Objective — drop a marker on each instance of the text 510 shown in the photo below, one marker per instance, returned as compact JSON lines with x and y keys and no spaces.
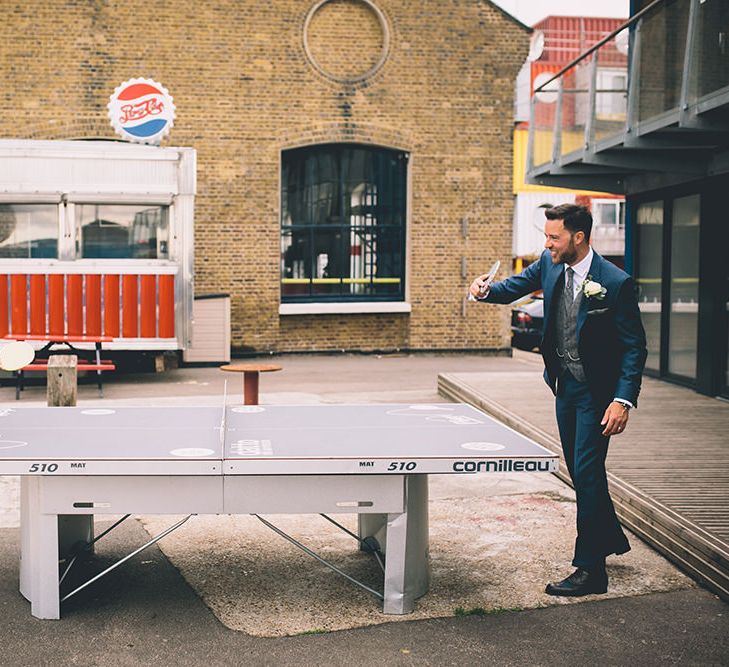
{"x":402,"y":465}
{"x":43,"y":467}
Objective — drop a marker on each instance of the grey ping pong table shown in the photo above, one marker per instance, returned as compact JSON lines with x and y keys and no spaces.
{"x":371,"y":460}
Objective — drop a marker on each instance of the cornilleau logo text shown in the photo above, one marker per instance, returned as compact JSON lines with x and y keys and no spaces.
{"x":501,"y":465}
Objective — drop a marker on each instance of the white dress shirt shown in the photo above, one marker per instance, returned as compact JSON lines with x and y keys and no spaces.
{"x":581,"y":269}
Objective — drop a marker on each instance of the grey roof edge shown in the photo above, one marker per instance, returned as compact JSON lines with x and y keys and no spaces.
{"x":511,"y":17}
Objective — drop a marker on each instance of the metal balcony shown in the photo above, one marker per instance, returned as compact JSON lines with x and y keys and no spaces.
{"x":651,"y":98}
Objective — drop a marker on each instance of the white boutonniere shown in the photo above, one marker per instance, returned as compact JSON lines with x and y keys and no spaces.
{"x":592,"y":289}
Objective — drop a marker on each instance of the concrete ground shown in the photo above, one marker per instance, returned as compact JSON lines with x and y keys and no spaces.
{"x":493,"y":545}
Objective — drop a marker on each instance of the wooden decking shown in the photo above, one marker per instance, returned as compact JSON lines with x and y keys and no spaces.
{"x":668,"y":473}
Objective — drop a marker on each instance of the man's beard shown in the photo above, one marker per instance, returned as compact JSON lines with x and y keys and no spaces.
{"x":568,"y":256}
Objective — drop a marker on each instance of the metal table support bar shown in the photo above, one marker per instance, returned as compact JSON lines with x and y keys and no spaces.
{"x":368,"y":544}
{"x":126,"y":558}
{"x":308,"y":551}
{"x":86,"y":546}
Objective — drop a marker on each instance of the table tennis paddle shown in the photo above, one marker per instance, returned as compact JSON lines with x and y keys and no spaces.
{"x":487,"y":281}
{"x":15,"y":355}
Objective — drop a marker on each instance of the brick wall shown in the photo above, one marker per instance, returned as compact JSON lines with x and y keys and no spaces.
{"x":245,"y":89}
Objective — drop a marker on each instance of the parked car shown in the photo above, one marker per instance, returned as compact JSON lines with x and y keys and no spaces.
{"x":527,"y":321}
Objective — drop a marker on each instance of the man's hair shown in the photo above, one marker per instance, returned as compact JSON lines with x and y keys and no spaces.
{"x":575,"y":218}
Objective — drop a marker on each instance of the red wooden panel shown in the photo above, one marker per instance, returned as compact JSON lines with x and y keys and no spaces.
{"x":37,"y":304}
{"x":111,"y":306}
{"x":148,"y":301}
{"x":130,"y":301}
{"x":56,"y":303}
{"x":93,"y":304}
{"x":19,"y":304}
{"x":166,"y":306}
{"x":75,"y":304}
{"x":3,"y":305}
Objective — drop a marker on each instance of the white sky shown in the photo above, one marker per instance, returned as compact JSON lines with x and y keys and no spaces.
{"x":531,"y":11}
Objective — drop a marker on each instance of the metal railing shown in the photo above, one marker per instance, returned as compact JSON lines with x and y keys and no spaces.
{"x":667,"y":64}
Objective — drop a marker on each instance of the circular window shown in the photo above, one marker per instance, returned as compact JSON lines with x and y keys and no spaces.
{"x":346,"y":40}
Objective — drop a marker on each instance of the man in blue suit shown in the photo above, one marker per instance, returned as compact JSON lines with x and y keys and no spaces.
{"x":594,"y":352}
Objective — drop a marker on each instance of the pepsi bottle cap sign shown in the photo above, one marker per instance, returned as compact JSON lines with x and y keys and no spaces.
{"x":141,"y":110}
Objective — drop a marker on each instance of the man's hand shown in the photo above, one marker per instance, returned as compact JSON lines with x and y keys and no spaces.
{"x":615,"y":419}
{"x":477,"y":285}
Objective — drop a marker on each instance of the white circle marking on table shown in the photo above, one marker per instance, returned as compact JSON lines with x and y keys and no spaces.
{"x":419,"y":411}
{"x":192,"y":451}
{"x":430,"y":407}
{"x":249,"y":408}
{"x":483,"y":446}
{"x":98,"y":411}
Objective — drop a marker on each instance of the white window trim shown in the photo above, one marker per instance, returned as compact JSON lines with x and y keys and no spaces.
{"x":610,"y":201}
{"x":344,"y":308}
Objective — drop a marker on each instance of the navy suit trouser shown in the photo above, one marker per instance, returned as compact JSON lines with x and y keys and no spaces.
{"x":598,"y":531}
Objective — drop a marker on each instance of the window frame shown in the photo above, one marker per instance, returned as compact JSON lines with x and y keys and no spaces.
{"x":75,"y":232}
{"x":60,"y":221}
{"x":68,"y":230}
{"x":342,"y":301}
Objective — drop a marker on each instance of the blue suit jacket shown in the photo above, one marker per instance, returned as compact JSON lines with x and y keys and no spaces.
{"x":610,"y":335}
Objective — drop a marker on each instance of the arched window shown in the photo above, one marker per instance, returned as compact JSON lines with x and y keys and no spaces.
{"x":343,"y":224}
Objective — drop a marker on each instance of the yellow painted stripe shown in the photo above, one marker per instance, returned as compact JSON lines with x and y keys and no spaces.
{"x":678,"y":281}
{"x":336,"y":281}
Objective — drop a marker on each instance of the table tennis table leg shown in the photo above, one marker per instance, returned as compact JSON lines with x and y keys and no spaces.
{"x":407,"y":574}
{"x":26,"y":567}
{"x":43,"y":549}
{"x":372,"y":525}
{"x":72,"y":529}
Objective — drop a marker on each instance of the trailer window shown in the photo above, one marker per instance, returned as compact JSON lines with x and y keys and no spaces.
{"x":122,"y":231}
{"x":28,"y":231}
{"x":343,"y":223}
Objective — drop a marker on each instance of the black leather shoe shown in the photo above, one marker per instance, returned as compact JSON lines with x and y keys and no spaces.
{"x":580,"y":582}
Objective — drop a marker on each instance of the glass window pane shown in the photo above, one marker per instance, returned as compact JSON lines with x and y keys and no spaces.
{"x":711,"y":59}
{"x":649,"y":275}
{"x":684,"y":287}
{"x":607,"y":214}
{"x":122,"y":231}
{"x":28,"y":230}
{"x":662,"y":46}
{"x":296,"y":262}
{"x":329,"y":263}
{"x":342,"y":225}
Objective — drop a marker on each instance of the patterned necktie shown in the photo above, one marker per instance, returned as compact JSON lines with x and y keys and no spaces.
{"x":570,"y":286}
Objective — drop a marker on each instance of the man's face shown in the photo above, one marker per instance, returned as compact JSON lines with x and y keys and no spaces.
{"x":560,"y":242}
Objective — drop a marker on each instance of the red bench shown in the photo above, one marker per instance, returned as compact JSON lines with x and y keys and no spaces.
{"x":41,"y":365}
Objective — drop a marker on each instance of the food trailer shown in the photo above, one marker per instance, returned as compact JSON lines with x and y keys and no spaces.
{"x":96,"y":240}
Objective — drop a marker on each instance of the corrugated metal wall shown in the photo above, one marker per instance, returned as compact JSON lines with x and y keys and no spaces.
{"x":566,"y":37}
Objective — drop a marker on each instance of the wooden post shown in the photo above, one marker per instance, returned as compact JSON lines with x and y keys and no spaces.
{"x":62,"y":380}
{"x":62,"y":391}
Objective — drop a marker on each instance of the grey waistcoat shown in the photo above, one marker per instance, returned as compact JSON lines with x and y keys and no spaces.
{"x":566,"y":334}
